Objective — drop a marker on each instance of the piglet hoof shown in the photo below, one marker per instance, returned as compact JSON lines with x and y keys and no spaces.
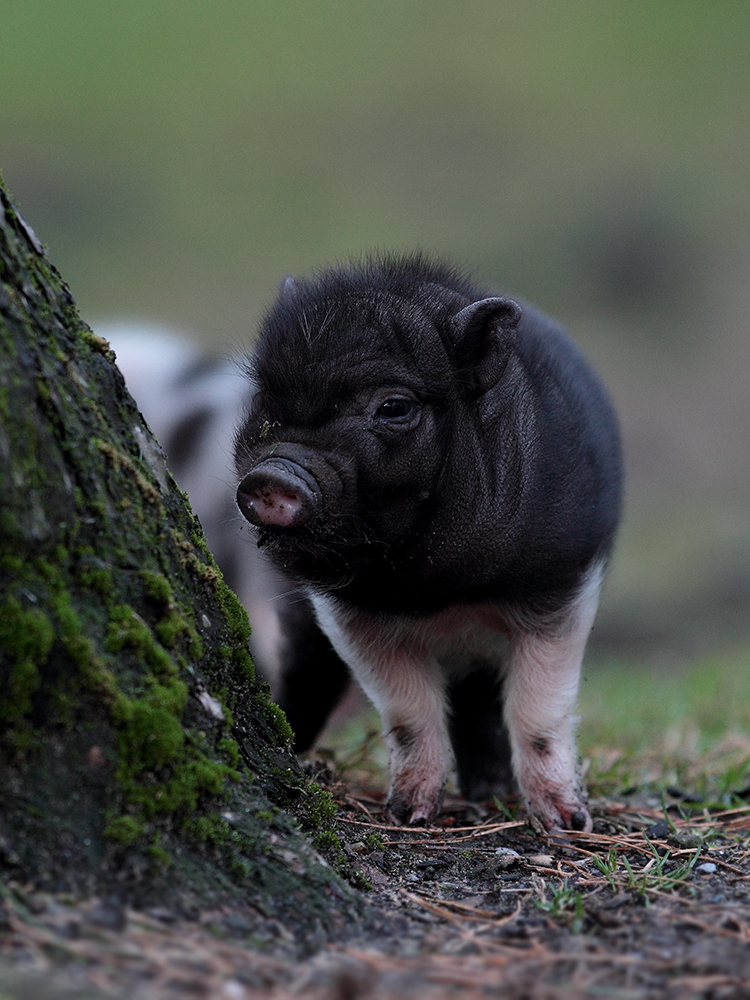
{"x":554,"y":815}
{"x":401,"y":812}
{"x":581,"y":820}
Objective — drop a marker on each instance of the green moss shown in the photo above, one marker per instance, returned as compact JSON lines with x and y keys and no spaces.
{"x":45,"y":570}
{"x":235,"y":614}
{"x":158,"y":587}
{"x":158,"y":770}
{"x":159,"y":855}
{"x":76,"y":643}
{"x":317,"y":810}
{"x":239,"y":624}
{"x":43,"y":391}
{"x":152,"y":733}
{"x":279,"y":720}
{"x":358,"y":880}
{"x":198,"y":539}
{"x":180,"y":794}
{"x":175,"y":623}
{"x":173,"y":627}
{"x":99,"y":679}
{"x":39,"y":631}
{"x":128,"y":630}
{"x":328,"y":840}
{"x":119,"y":461}
{"x":240,"y":868}
{"x":124,"y":829}
{"x":211,"y":830}
{"x":11,"y":565}
{"x":95,"y":574}
{"x":79,"y":647}
{"x":329,"y":844}
{"x":98,"y":343}
{"x":374,"y":841}
{"x":230,"y":749}
{"x":26,"y":638}
{"x":70,"y":626}
{"x":204,"y":569}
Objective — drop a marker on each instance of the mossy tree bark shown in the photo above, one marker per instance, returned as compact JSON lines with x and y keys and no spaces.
{"x":138,"y":751}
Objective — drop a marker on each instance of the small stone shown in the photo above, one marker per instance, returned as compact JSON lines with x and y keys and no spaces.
{"x":707,"y":868}
{"x":658,"y":831}
{"x":508,"y":851}
{"x":234,"y":990}
{"x":238,"y":924}
{"x":506,"y":861}
{"x":37,"y":903}
{"x":211,"y":705}
{"x":108,"y":913}
{"x":542,"y":860}
{"x":684,"y":839}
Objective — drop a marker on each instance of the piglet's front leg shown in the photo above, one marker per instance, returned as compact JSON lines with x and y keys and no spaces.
{"x":408,"y":691}
{"x":411,"y":702}
{"x":419,"y":758}
{"x":541,"y":690}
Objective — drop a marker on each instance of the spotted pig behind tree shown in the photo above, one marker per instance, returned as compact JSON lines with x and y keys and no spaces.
{"x":439,"y":470}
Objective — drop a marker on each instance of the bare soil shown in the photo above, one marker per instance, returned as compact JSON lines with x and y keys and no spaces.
{"x":655,"y":903}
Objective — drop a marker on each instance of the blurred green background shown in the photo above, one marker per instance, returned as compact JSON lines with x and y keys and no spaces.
{"x":180,"y":159}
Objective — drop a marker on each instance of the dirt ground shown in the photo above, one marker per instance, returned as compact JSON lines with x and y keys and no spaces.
{"x":655,"y":903}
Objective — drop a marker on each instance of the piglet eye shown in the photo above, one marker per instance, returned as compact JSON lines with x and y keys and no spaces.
{"x":395,"y":409}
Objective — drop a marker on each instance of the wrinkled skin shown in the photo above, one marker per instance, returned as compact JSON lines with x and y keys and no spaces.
{"x":439,"y":469}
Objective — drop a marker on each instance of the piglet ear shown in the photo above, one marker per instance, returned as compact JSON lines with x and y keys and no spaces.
{"x":483,"y":334}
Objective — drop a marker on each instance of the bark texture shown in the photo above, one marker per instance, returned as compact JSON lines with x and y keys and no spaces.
{"x":139,"y":753}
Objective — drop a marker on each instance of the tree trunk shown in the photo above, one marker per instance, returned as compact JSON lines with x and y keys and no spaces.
{"x":139,"y":753}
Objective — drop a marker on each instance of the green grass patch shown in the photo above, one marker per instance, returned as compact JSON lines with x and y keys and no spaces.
{"x":637,"y":705}
{"x":650,"y":727}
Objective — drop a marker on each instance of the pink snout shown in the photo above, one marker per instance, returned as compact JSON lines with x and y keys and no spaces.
{"x":278,"y":493}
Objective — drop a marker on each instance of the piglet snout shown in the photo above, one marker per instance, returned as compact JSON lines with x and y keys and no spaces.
{"x":279,"y":493}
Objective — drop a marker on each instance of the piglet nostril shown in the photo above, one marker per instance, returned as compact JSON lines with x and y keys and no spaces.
{"x":276,"y":494}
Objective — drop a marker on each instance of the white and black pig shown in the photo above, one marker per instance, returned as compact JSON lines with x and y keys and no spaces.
{"x":440,"y":470}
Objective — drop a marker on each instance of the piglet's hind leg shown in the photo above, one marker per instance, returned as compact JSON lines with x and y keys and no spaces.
{"x":541,"y":690}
